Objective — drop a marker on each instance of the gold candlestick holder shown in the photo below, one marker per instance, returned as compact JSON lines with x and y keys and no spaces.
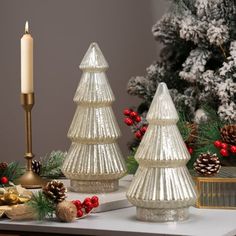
{"x":29,"y":179}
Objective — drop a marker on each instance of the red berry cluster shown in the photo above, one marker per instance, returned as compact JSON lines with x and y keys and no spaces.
{"x":4,"y":180}
{"x":132,"y":119}
{"x":86,"y":206}
{"x":225,"y":149}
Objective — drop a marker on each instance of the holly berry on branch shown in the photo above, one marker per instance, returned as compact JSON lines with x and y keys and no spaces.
{"x":51,"y":200}
{"x":233,"y":149}
{"x":86,"y":206}
{"x":217,"y":144}
{"x":95,"y":201}
{"x":138,"y":134}
{"x":127,"y":111}
{"x":225,"y":148}
{"x":224,"y":145}
{"x":137,"y":123}
{"x":4,"y":180}
{"x":133,"y":114}
{"x":224,"y":152}
{"x":190,"y":150}
{"x":9,"y":172}
{"x":128,"y":121}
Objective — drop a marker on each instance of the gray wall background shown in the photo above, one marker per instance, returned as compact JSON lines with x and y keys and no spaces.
{"x":62,"y":31}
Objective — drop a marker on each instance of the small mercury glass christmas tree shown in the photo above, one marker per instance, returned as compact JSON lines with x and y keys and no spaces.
{"x":162,"y":189}
{"x":94,"y":162}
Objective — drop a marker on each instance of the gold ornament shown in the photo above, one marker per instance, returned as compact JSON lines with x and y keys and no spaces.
{"x":10,"y":198}
{"x":14,"y":195}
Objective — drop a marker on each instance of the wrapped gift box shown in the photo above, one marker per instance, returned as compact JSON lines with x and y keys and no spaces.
{"x":218,"y":191}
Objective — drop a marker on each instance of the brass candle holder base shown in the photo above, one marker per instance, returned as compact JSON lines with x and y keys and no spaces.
{"x":29,"y":179}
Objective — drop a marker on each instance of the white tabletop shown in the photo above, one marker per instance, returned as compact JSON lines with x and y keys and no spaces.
{"x":202,"y":222}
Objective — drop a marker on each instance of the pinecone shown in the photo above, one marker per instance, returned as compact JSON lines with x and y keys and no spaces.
{"x":228,"y":134}
{"x":207,"y":164}
{"x":193,"y":128}
{"x":36,"y":166}
{"x":3,"y":165}
{"x":55,"y":190}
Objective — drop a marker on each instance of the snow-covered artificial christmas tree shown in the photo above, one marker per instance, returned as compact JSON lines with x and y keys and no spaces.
{"x":94,"y":162}
{"x":162,"y":189}
{"x":198,"y":60}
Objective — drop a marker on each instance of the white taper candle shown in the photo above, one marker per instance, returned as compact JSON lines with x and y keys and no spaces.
{"x":27,"y":62}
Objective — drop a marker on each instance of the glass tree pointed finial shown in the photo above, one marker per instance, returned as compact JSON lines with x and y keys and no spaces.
{"x":94,"y":59}
{"x":162,"y":108}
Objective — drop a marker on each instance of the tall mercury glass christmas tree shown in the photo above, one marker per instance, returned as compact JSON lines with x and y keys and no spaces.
{"x":94,"y":162}
{"x":162,"y":189}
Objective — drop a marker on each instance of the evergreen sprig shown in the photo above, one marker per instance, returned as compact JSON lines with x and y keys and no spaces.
{"x":184,"y":129}
{"x":131,"y":163}
{"x":208,"y":133}
{"x":12,"y":172}
{"x":42,"y":205}
{"x":52,"y":163}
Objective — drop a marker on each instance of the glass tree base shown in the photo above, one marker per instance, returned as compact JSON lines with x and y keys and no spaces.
{"x":161,"y":215}
{"x":93,"y":186}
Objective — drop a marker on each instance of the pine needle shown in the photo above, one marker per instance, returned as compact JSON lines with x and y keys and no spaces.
{"x":42,"y":205}
{"x":131,"y":163}
{"x":208,"y":133}
{"x":182,"y":126}
{"x":12,"y":172}
{"x":51,"y":164}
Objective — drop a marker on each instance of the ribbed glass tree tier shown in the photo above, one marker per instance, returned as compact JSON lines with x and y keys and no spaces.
{"x":94,"y":88}
{"x":94,"y":162}
{"x":104,"y":186}
{"x":160,"y":188}
{"x":166,"y":150}
{"x":162,"y":215}
{"x":94,"y":124}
